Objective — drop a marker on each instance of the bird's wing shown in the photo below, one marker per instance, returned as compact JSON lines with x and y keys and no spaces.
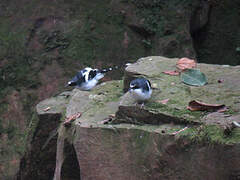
{"x":80,"y":77}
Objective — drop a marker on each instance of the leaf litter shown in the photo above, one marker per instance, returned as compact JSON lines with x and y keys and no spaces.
{"x":181,"y":65}
{"x":193,"y":77}
{"x":201,"y":106}
{"x":186,"y":63}
{"x":70,"y":119}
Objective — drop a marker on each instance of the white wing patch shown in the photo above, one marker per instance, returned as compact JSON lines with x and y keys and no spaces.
{"x":86,"y":74}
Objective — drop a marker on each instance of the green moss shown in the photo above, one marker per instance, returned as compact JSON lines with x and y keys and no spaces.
{"x":179,"y":113}
{"x":27,"y":135}
{"x":110,"y":92}
{"x":88,"y":42}
{"x":17,"y":71}
{"x":211,"y":134}
{"x":63,"y":115}
{"x":158,"y":14}
{"x":53,"y":40}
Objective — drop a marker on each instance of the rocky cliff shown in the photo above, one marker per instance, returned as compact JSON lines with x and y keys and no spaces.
{"x":43,"y":43}
{"x":114,"y":139}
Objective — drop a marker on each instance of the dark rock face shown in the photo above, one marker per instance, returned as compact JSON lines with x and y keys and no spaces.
{"x":217,"y":41}
{"x":70,"y":167}
{"x":39,"y":161}
{"x":138,"y":154}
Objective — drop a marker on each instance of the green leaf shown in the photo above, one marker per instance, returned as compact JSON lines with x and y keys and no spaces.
{"x":193,"y":77}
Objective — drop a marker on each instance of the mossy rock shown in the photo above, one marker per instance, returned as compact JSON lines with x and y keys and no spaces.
{"x":139,"y":140}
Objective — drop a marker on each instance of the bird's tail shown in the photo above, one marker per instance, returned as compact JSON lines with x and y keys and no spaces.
{"x":108,"y":69}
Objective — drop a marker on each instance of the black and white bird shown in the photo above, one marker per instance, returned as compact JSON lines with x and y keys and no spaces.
{"x":141,"y":90}
{"x":87,"y":78}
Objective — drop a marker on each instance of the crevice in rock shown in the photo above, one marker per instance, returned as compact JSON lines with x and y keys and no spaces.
{"x":67,"y":166}
{"x":70,"y":167}
{"x":138,"y":116}
{"x":39,"y":160}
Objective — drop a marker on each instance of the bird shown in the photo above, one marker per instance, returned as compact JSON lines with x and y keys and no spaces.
{"x":141,"y":90}
{"x":87,"y":78}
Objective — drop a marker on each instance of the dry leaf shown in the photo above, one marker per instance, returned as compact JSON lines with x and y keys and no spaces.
{"x":186,"y":63}
{"x":201,"y":106}
{"x":164,"y":101}
{"x":172,"y":73}
{"x":47,"y":109}
{"x":70,"y":119}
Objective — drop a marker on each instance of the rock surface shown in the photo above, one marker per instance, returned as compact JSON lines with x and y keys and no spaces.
{"x":113,"y":139}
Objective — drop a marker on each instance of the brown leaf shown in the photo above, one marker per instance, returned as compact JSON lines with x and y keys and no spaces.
{"x":172,"y":73}
{"x":201,"y":106}
{"x":47,"y":109}
{"x":186,"y":63}
{"x":70,"y":119}
{"x":164,"y":101}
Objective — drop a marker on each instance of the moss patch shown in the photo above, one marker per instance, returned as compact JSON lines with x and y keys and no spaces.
{"x":211,"y":134}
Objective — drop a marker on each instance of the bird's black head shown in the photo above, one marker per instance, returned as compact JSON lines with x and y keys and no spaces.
{"x":140,"y":83}
{"x":134,"y":85}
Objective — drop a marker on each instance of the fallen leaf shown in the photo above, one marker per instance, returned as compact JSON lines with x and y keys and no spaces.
{"x":164,"y":101}
{"x":47,"y":109}
{"x":186,"y":63}
{"x":193,"y":77}
{"x":201,"y":106}
{"x":181,"y":130}
{"x":70,"y":119}
{"x":172,"y":73}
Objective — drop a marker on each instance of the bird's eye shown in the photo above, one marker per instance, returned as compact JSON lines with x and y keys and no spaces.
{"x":134,"y":86}
{"x":71,"y":83}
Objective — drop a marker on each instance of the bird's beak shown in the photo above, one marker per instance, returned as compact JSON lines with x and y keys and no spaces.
{"x":69,"y":84}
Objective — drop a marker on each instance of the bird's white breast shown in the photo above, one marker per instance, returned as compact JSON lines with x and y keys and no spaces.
{"x":88,"y":85}
{"x":139,"y":95}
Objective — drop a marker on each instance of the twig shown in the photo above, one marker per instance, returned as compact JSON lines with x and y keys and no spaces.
{"x":176,"y":132}
{"x":46,"y":109}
